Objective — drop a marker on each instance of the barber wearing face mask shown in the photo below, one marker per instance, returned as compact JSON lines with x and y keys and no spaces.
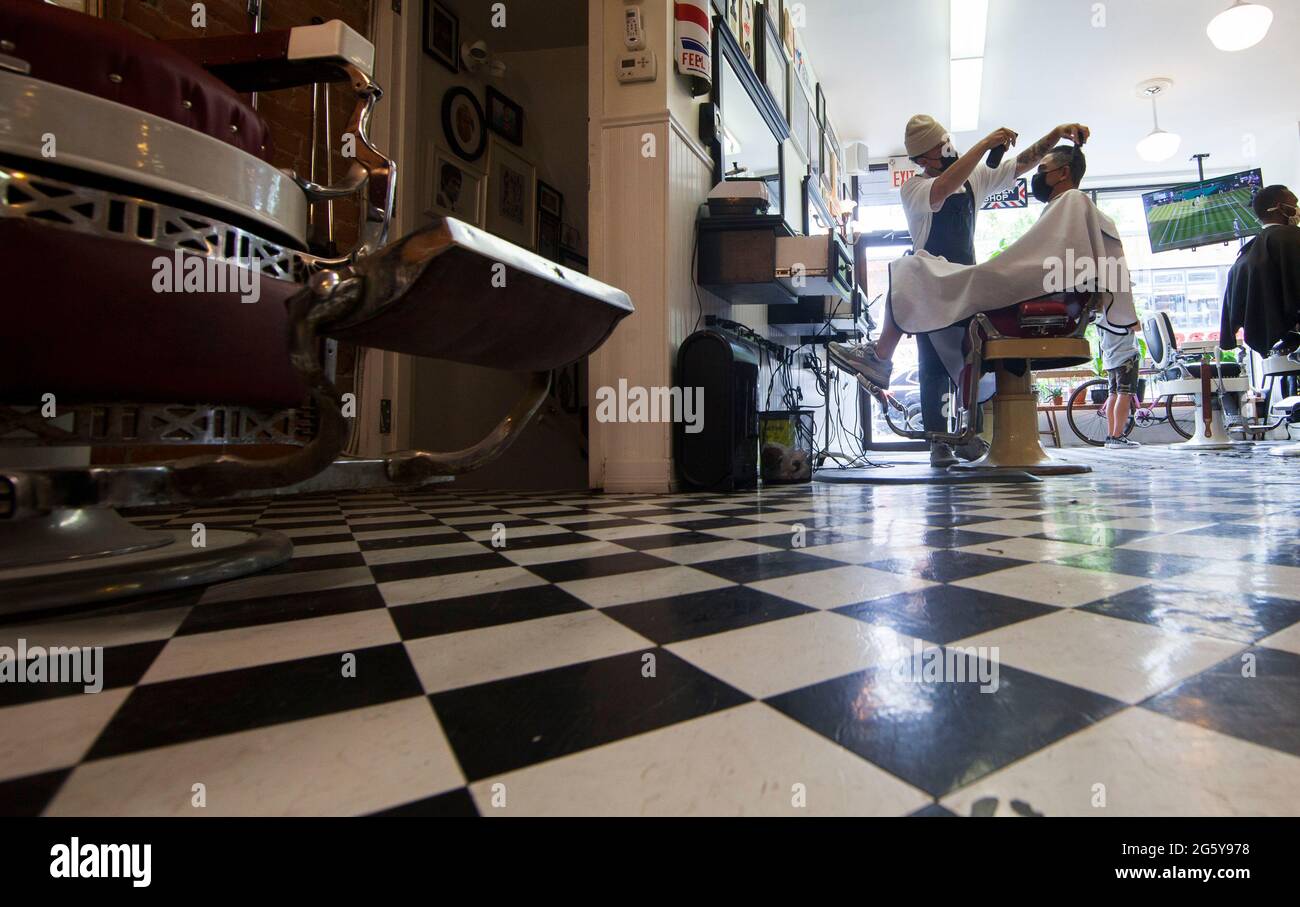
{"x":940,"y":204}
{"x":1263,"y":290}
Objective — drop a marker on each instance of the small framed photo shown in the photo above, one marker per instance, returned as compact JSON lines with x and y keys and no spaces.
{"x":549,"y":234}
{"x":442,"y":34}
{"x":550,"y":200}
{"x":453,"y":189}
{"x":511,"y":195}
{"x":505,"y":117}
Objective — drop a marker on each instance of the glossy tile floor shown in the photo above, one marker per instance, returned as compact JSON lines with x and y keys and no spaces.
{"x":1120,"y":643}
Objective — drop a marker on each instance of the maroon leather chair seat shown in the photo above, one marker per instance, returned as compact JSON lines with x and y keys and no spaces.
{"x":110,"y":61}
{"x":84,"y":323}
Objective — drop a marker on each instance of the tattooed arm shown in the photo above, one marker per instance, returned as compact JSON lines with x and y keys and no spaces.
{"x":1030,"y":157}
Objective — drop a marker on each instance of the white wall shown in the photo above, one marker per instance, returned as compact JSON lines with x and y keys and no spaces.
{"x":454,"y":405}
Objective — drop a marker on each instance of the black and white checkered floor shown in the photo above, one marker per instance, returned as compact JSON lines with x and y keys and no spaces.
{"x":707,"y":654}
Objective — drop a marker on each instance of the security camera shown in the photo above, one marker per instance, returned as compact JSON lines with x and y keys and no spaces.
{"x":474,"y":55}
{"x":476,"y":58}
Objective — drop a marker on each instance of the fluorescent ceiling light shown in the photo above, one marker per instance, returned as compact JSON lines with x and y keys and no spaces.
{"x":967,"y":77}
{"x":1241,"y":26}
{"x":968,"y":20}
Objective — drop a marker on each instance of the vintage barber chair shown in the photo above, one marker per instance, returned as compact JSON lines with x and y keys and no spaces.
{"x":1043,"y":333}
{"x":1194,"y":370}
{"x":1040,"y":333}
{"x":1281,"y":369}
{"x":118,"y":152}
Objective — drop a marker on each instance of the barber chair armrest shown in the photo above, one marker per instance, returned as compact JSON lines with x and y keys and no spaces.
{"x":283,"y":58}
{"x":286,"y":58}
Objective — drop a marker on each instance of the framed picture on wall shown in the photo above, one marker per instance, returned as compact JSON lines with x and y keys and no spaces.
{"x":505,"y":117}
{"x":800,"y":117}
{"x":453,"y":188}
{"x":442,"y":34}
{"x":549,"y":229}
{"x":511,"y":195}
{"x":462,"y":123}
{"x":746,"y":32}
{"x":773,"y":67}
{"x":550,"y":200}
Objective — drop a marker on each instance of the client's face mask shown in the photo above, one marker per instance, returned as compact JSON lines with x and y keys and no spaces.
{"x":1293,"y":218}
{"x":1039,"y":186}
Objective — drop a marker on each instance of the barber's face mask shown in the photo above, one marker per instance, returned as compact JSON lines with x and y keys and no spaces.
{"x":1039,"y":186}
{"x":947,"y":157}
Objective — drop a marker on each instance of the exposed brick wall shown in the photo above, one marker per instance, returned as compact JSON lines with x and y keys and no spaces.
{"x":287,"y":112}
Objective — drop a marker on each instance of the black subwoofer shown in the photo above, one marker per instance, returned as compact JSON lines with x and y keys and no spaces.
{"x":723,"y":454}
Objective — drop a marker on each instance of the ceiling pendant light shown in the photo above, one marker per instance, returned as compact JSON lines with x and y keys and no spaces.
{"x":1158,"y":145}
{"x":1240,"y":26}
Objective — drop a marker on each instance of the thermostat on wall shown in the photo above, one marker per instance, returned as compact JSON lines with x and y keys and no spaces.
{"x":637,"y":67}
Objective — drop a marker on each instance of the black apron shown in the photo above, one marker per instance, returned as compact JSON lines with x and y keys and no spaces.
{"x":952,"y":236}
{"x":952,"y":228}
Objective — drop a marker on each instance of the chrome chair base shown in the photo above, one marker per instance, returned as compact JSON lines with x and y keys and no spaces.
{"x":91,"y":555}
{"x":1048,"y":467}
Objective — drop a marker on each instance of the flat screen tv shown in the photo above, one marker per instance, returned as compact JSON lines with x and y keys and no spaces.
{"x":1199,"y":214}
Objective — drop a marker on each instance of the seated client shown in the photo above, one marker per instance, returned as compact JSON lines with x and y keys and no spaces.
{"x":1263,"y":290}
{"x":1073,"y":246}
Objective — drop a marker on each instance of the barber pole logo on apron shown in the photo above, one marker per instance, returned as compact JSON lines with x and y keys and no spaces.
{"x":693,"y":42}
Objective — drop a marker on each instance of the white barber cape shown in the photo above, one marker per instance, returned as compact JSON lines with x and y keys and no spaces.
{"x":1072,"y":246}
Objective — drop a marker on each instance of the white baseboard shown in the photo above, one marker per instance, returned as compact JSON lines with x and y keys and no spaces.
{"x":639,"y":477}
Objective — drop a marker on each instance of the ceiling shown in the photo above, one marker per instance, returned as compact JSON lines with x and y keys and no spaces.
{"x":1045,"y":63}
{"x":530,"y":25}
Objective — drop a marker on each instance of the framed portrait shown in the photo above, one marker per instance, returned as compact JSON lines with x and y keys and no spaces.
{"x":442,"y":34}
{"x":505,"y":117}
{"x":462,"y":123}
{"x":511,"y":195}
{"x":549,"y":235}
{"x":746,"y":31}
{"x":453,"y":189}
{"x":550,"y":200}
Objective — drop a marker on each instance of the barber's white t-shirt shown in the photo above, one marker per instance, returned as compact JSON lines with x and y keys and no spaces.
{"x":920,"y":213}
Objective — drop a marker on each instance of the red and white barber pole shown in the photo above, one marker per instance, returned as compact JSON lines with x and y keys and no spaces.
{"x":693,"y":42}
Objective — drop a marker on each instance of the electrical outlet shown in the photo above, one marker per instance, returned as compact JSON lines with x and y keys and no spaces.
{"x":385,"y":417}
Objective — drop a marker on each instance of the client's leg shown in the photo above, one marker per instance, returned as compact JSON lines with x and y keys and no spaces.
{"x":870,"y":360}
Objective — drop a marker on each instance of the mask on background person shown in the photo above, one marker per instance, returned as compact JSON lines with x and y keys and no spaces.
{"x":1293,"y":219}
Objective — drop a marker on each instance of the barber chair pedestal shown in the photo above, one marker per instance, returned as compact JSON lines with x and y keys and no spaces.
{"x":1016,"y":443}
{"x":1216,"y":437}
{"x":87,"y":555}
{"x":1278,"y":365}
{"x":1211,"y":429}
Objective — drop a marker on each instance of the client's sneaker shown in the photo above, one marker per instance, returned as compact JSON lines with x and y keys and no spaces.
{"x":861,"y":359}
{"x":973,"y":449}
{"x":941,"y":456}
{"x":1121,"y":444}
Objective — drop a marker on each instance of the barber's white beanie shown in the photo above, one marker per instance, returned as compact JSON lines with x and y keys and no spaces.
{"x":923,"y":133}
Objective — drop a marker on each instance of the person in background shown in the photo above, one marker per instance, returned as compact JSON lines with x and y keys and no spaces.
{"x":1121,"y":359}
{"x":1263,"y":289}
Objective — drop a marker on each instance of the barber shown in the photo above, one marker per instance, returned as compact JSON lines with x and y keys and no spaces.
{"x":940,"y":205}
